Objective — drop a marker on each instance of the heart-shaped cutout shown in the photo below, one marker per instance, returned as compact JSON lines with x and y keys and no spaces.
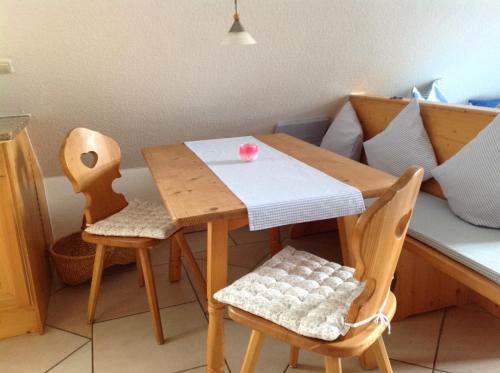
{"x":89,"y":159}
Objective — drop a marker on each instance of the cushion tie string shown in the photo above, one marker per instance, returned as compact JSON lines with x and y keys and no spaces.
{"x":379,"y":318}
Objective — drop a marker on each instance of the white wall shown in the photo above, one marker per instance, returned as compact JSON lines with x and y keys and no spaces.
{"x":152,"y":71}
{"x":66,"y":207}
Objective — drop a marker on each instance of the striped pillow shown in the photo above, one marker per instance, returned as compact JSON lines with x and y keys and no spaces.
{"x":345,"y":135}
{"x":402,"y":144}
{"x":470,"y":180}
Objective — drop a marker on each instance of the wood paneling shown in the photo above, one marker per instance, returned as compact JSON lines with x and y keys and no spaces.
{"x":13,"y":292}
{"x":25,"y":238}
{"x":450,"y":127}
{"x":427,"y":279}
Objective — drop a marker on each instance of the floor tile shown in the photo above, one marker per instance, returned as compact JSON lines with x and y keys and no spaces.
{"x":56,"y":284}
{"x":312,"y":362}
{"x":160,"y":253}
{"x":201,"y":369}
{"x":120,"y":294}
{"x":198,"y":241}
{"x":33,"y":353}
{"x":79,"y":361}
{"x":243,"y":255}
{"x":273,"y":357}
{"x":470,"y":342}
{"x":196,"y":370}
{"x":244,"y":235}
{"x":67,"y":310}
{"x":414,"y":340}
{"x":128,"y":344}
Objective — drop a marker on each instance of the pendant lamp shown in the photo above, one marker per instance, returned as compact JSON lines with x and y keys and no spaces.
{"x":237,"y":34}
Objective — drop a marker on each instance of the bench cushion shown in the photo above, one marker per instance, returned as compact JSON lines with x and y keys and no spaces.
{"x":478,"y":248}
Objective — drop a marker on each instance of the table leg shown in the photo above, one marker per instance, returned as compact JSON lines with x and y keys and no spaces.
{"x":275,"y":245}
{"x":216,"y":279}
{"x":346,"y":229}
{"x":346,"y":226}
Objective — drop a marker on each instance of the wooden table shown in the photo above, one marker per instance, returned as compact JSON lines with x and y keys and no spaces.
{"x":194,"y":195}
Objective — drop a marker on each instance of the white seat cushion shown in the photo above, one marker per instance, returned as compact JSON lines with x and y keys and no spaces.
{"x":345,"y":135}
{"x":402,"y":144}
{"x":138,"y":219}
{"x":299,"y":291}
{"x":471,"y":178}
{"x":475,"y":247}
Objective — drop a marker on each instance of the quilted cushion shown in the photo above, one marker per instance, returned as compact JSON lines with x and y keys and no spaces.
{"x":138,"y":219}
{"x":471,"y":178}
{"x":402,"y":144}
{"x":345,"y":135}
{"x":299,"y":291}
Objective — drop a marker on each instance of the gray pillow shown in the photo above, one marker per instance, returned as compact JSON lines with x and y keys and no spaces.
{"x":402,"y":144}
{"x":470,"y":180}
{"x":345,"y":135}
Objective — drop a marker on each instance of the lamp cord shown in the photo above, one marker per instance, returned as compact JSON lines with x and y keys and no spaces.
{"x":235,"y":6}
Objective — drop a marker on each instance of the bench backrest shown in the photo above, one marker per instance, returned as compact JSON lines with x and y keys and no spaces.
{"x":449,"y":126}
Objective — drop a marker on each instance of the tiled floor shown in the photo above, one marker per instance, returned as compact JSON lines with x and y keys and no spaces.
{"x":465,"y":339}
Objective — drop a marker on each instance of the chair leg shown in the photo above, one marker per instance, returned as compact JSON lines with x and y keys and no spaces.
{"x":151,"y":292}
{"x":367,"y":360}
{"x":275,"y":245}
{"x":140,"y":275}
{"x":174,"y":271}
{"x":380,"y":353}
{"x":96,"y":282}
{"x":191,"y":262}
{"x":294,"y":356}
{"x":253,"y":351}
{"x":333,"y":365}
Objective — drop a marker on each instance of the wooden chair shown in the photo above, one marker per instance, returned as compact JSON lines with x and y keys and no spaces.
{"x":376,"y":245}
{"x":95,"y":180}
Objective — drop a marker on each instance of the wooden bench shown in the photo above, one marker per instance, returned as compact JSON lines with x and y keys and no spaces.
{"x":427,"y":279}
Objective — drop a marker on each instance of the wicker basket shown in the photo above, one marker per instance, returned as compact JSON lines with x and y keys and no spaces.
{"x":74,"y":258}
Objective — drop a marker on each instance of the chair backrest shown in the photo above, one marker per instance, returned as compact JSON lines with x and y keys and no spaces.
{"x":91,"y":161}
{"x":377,"y":242}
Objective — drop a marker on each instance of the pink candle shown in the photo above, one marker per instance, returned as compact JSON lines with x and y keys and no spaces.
{"x":249,"y":152}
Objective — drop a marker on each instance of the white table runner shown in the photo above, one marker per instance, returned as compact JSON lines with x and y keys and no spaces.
{"x":277,"y":189}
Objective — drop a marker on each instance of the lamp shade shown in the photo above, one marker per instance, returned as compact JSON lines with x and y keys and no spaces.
{"x":237,"y":35}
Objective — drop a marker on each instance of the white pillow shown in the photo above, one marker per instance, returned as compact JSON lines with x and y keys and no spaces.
{"x":402,"y":144}
{"x":345,"y":135}
{"x":470,"y":180}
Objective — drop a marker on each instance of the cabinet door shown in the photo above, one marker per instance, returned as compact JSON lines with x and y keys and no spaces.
{"x":13,"y":281}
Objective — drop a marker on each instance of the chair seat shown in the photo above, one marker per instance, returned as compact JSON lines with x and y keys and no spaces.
{"x":121,"y":242}
{"x":298,"y":291}
{"x":342,"y":347}
{"x":138,"y":219}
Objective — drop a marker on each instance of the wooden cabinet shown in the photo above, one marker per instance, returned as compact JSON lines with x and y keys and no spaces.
{"x":25,"y":236}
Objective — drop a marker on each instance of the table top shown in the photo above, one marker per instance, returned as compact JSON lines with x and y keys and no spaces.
{"x":193,"y":194}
